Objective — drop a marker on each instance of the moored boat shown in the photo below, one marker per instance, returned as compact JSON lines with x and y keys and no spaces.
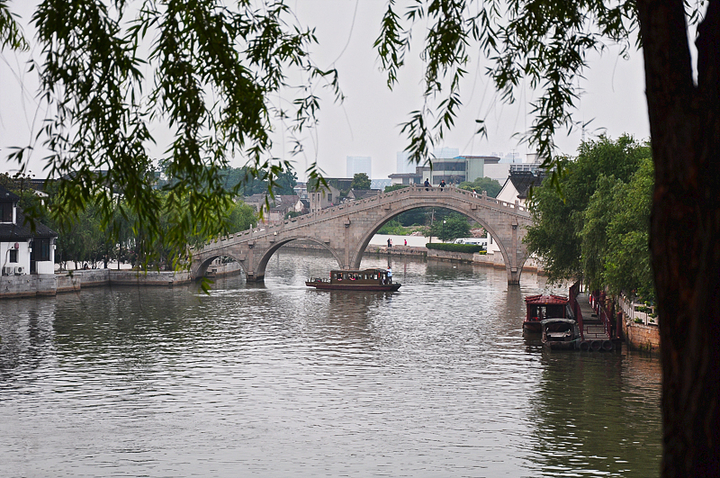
{"x":544,"y":306}
{"x":560,"y":334}
{"x":356,"y":280}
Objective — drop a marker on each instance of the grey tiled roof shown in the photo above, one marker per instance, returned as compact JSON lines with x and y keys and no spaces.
{"x":22,"y":231}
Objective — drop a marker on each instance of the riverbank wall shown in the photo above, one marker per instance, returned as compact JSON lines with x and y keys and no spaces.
{"x":40,"y":285}
{"x":639,"y":329}
{"x":642,"y":337}
{"x":490,"y":260}
{"x":43,"y":285}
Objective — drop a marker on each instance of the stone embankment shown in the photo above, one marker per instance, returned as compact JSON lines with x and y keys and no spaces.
{"x":39,"y":285}
{"x":492,"y":260}
{"x":639,"y":329}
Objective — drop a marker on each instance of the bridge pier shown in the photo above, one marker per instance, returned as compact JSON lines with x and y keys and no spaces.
{"x":255,"y":277}
{"x":513,"y":276}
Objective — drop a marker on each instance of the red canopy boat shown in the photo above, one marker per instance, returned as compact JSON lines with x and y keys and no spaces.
{"x":544,"y":306}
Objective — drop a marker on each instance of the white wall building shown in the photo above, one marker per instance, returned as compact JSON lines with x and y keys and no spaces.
{"x":23,"y":251}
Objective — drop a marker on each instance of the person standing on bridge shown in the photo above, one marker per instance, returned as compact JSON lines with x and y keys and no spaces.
{"x":427,"y":185}
{"x":442,"y":184}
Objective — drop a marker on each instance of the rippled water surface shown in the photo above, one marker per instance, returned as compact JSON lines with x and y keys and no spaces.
{"x":278,"y":380}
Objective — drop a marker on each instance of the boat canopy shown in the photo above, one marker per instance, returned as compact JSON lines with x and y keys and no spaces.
{"x":546,"y":299}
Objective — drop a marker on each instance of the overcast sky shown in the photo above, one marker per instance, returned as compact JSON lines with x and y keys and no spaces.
{"x":367,"y":123}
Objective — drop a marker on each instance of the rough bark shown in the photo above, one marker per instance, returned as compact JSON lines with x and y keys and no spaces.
{"x":685,"y":230}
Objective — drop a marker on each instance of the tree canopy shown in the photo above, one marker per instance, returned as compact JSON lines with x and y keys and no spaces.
{"x":491,"y":186}
{"x":213,"y":72}
{"x":450,"y":227}
{"x":360,"y":181}
{"x":594,"y":227}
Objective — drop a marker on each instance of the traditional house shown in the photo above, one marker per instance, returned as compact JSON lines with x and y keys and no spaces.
{"x":325,"y":197}
{"x":22,"y":250}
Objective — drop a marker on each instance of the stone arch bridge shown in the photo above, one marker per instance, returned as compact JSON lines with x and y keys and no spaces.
{"x":346,"y":230}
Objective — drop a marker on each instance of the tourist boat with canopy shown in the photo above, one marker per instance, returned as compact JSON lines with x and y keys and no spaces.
{"x":545,"y":306}
{"x":356,"y":280}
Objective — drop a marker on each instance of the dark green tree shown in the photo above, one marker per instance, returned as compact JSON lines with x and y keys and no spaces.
{"x":559,"y":214}
{"x":395,"y":187}
{"x":627,"y":263}
{"x":450,"y":227}
{"x":360,"y":181}
{"x":491,"y":186}
{"x":241,"y":218}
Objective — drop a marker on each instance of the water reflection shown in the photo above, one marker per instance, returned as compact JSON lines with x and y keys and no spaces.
{"x":279,"y":379}
{"x":594,"y":416}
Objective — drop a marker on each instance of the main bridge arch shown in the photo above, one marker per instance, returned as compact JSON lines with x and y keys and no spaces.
{"x":346,"y":230}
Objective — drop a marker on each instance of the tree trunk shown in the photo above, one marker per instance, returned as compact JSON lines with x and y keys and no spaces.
{"x":685,"y":230}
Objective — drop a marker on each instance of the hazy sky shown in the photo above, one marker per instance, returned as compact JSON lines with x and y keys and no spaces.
{"x":367,"y":123}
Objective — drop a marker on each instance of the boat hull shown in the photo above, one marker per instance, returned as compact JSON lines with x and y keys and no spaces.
{"x":562,"y":345}
{"x":353,"y":287}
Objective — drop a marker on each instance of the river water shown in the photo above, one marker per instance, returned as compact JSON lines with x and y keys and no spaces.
{"x":280,"y":380}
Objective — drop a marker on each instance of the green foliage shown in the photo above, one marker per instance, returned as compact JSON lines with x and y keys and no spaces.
{"x":451,"y":227}
{"x":242,"y":181}
{"x":467,"y":248}
{"x":414,"y":217}
{"x":241,"y":218}
{"x":627,"y":262}
{"x":213,"y":72}
{"x":395,"y":187}
{"x":543,"y":42}
{"x":10,"y":33}
{"x":360,"y":181}
{"x":491,"y":186}
{"x":595,"y":226}
{"x":393,"y":227}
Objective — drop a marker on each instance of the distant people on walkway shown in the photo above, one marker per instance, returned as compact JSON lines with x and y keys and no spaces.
{"x":389,"y":242}
{"x":427,"y":185}
{"x":405,"y":241}
{"x":442,"y":184}
{"x":474,"y":193}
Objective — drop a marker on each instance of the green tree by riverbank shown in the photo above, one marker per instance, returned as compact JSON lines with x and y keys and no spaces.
{"x":593,"y":225}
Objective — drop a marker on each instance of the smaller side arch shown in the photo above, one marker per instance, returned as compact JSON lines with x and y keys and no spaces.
{"x":268,"y":253}
{"x":200,"y":267}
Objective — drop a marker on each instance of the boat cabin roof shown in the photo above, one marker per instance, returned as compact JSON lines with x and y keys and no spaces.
{"x":358,"y":271}
{"x":546,"y":299}
{"x":545,"y":322}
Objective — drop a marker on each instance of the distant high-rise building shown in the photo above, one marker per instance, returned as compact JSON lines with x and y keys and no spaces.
{"x":403,"y":166}
{"x":359,"y":164}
